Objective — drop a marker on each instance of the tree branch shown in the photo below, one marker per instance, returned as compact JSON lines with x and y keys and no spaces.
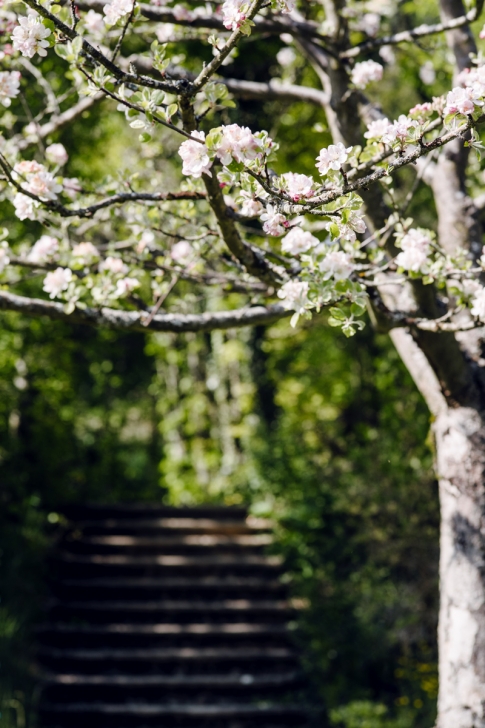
{"x":99,"y":57}
{"x":407,"y":36}
{"x":273,"y":25}
{"x":57,"y":122}
{"x":230,"y":44}
{"x":133,"y":320}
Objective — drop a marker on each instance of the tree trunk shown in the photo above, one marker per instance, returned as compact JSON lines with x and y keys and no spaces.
{"x":460,"y":465}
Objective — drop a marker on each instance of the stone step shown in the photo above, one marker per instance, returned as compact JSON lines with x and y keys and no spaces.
{"x":185,"y":682}
{"x":125,"y":635}
{"x":174,"y":659}
{"x":178,"y":525}
{"x":228,"y":610}
{"x":96,"y":511}
{"x":169,"y":587}
{"x":203,"y":544}
{"x":179,"y":715}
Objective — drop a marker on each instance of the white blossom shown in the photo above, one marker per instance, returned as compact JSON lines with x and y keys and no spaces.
{"x":298,"y":186}
{"x":370,"y":23}
{"x":45,"y":247}
{"x":387,"y":54}
{"x":250,"y":207}
{"x":113,"y":265}
{"x":274,"y":222}
{"x":4,"y":259}
{"x":298,"y":241}
{"x":234,"y":13}
{"x":125,"y":286}
{"x":416,"y":247}
{"x":57,"y":281}
{"x":165,"y":32}
{"x":56,"y":154}
{"x":37,"y":180}
{"x":29,"y":37}
{"x":376,"y":129}
{"x":337,"y":265}
{"x":347,"y":230}
{"x":182,"y":252}
{"x":332,"y":157}
{"x":398,"y":130}
{"x":195,"y":156}
{"x":9,"y":86}
{"x":24,"y":207}
{"x":478,"y":304}
{"x":427,"y":74}
{"x":286,"y":56}
{"x":238,"y":143}
{"x":116,"y":9}
{"x":461,"y":101}
{"x":85,"y":253}
{"x":94,"y":23}
{"x":365,"y":72}
{"x":294,"y":295}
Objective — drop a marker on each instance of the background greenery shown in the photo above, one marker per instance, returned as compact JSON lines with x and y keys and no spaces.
{"x":328,"y":436}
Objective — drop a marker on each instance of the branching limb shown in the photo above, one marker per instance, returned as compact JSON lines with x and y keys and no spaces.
{"x":231,"y":43}
{"x":133,"y":320}
{"x":408,"y":36}
{"x":99,"y":57}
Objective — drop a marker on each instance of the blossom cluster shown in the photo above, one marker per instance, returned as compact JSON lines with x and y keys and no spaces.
{"x":9,"y":86}
{"x":416,"y":247}
{"x":29,"y":37}
{"x":230,"y":143}
{"x":365,"y":72}
{"x":333,"y":157}
{"x":36,"y":179}
{"x":117,"y":9}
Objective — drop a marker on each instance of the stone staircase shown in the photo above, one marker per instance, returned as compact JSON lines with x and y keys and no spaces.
{"x":170,"y":617}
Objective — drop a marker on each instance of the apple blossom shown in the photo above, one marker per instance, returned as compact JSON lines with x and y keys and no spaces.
{"x":29,"y":37}
{"x":460,"y":101}
{"x":94,"y":23}
{"x":416,"y":247}
{"x":9,"y":86}
{"x":113,"y":265}
{"x":4,"y":259}
{"x":286,"y":56}
{"x":116,"y":9}
{"x":427,"y":74}
{"x":238,"y":143}
{"x":57,"y":281}
{"x":365,"y":72}
{"x":295,"y":295}
{"x":125,"y":286}
{"x":478,"y":304}
{"x":337,"y":265}
{"x":377,"y":129}
{"x":298,"y":241}
{"x":355,"y":224}
{"x":298,"y":186}
{"x":37,"y":180}
{"x":182,"y":252}
{"x":274,"y":222}
{"x":398,"y":131}
{"x":85,"y":253}
{"x":24,"y":207}
{"x":195,"y":156}
{"x":250,"y":207}
{"x":234,"y":13}
{"x":56,"y":154}
{"x":332,"y":157}
{"x":45,"y":247}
